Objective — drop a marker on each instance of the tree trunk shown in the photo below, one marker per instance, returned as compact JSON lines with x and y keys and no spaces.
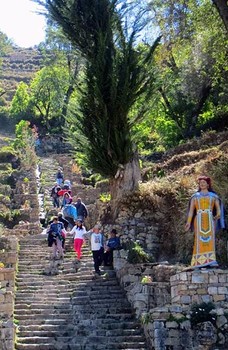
{"x":126,"y":179}
{"x":222,"y":7}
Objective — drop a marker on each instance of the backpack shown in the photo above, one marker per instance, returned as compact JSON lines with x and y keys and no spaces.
{"x":70,"y":211}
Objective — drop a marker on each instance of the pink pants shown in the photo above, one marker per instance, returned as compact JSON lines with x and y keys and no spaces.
{"x":77,"y":246}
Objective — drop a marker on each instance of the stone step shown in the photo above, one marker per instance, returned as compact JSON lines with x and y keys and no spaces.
{"x":114,"y":346}
{"x":64,"y":302}
{"x":67,"y":295}
{"x":122,"y":343}
{"x":47,"y":339}
{"x":60,"y":283}
{"x":45,"y":321}
{"x":86,"y":313}
{"x":41,"y":316}
{"x":46,"y":346}
{"x":112,"y":330}
{"x":41,"y":306}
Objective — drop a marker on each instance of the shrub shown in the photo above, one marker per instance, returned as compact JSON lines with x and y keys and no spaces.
{"x":136,"y":253}
{"x":202,"y":313}
{"x":105,"y":197}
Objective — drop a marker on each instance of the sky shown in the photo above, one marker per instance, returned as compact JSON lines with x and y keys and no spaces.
{"x":20,"y":22}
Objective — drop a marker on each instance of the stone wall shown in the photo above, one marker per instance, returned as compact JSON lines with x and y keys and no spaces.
{"x":8,"y":256}
{"x":199,"y":286}
{"x":144,"y":296}
{"x":164,"y":304}
{"x":140,"y":220}
{"x":25,"y":199}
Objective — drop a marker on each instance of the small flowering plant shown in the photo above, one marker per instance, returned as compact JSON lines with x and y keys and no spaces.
{"x":1,"y":265}
{"x":146,"y":279}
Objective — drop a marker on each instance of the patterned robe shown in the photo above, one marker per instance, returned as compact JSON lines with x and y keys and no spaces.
{"x":202,"y":211}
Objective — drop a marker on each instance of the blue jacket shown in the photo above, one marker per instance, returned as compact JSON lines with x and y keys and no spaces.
{"x":70,"y":211}
{"x":114,"y":243}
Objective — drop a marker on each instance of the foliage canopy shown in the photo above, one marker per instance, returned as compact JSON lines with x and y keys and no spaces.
{"x":116,"y":74}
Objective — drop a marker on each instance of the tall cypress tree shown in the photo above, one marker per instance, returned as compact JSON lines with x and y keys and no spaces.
{"x":116,"y":75}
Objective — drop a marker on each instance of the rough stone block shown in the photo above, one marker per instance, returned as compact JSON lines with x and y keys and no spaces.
{"x":201,"y":291}
{"x":172,"y":324}
{"x":212,"y":290}
{"x":183,"y":276}
{"x":222,"y":278}
{"x":198,"y":278}
{"x":213,"y":279}
{"x":217,"y":298}
{"x":222,"y":290}
{"x":185,"y":299}
{"x":206,"y":298}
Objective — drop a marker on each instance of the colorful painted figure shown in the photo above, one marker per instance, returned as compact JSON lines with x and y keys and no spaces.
{"x":205,"y":216}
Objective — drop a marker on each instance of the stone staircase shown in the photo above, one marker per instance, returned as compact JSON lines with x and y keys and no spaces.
{"x":71,"y":310}
{"x":61,"y":305}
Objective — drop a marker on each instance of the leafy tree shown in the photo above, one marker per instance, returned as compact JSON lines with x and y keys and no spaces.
{"x":48,"y":89}
{"x":5,"y":44}
{"x":20,"y":102}
{"x":116,"y":75}
{"x":192,"y":63}
{"x":58,"y":50}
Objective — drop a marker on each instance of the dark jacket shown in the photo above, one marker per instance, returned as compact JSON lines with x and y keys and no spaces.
{"x":54,"y":191}
{"x":64,"y":221}
{"x":81,"y":209}
{"x":54,"y":232}
{"x":59,"y":175}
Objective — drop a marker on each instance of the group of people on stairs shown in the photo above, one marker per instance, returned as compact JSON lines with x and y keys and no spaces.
{"x":70,"y":221}
{"x":61,"y":194}
{"x":102,"y":250}
{"x":61,"y":191}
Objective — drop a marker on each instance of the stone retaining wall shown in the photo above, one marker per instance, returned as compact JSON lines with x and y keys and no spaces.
{"x":199,"y":286}
{"x":165,"y":304}
{"x":8,"y":256}
{"x":144,"y":296}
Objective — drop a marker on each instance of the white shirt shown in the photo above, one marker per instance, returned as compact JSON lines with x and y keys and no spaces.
{"x":78,"y":232}
{"x":96,"y":241}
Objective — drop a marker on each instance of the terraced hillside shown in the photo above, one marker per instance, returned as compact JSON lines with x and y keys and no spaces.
{"x":18,"y":65}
